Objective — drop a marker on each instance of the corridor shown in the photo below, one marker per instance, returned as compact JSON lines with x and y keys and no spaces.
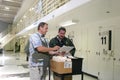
{"x":13,"y":66}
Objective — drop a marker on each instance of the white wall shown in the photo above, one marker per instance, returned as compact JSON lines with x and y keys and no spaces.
{"x":88,"y":44}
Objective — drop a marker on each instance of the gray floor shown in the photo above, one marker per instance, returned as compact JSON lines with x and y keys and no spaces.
{"x":13,"y":66}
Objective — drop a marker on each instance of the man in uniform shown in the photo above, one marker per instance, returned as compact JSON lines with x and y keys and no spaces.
{"x":61,"y":40}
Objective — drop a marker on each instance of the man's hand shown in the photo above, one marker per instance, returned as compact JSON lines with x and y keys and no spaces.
{"x":56,"y":48}
{"x":61,"y":53}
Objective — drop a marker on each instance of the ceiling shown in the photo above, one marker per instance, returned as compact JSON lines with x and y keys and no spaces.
{"x":9,"y":9}
{"x":91,"y":12}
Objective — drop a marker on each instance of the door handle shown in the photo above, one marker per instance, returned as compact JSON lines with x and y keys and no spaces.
{"x":114,"y":59}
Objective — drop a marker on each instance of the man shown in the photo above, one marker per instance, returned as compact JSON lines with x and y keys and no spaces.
{"x":26,"y":49}
{"x":61,"y":40}
{"x":39,"y":45}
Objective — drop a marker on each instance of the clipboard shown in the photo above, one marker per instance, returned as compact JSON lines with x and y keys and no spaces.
{"x":65,"y":49}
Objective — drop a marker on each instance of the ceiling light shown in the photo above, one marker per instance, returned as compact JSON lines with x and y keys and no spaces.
{"x":24,"y":36}
{"x":24,"y":16}
{"x":5,"y":14}
{"x":21,"y":20}
{"x":8,"y":0}
{"x":7,"y":8}
{"x":68,"y":23}
{"x":31,"y":9}
{"x":29,"y":34}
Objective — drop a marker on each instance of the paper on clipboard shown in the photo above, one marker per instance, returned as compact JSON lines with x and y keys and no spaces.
{"x":65,"y":49}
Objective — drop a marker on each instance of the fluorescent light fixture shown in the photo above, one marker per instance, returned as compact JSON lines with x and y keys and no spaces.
{"x":8,"y":0}
{"x":6,"y":14}
{"x":29,"y":34}
{"x":68,"y":23}
{"x":21,"y":20}
{"x":24,"y":16}
{"x":7,"y":8}
{"x":24,"y":36}
{"x":31,"y":9}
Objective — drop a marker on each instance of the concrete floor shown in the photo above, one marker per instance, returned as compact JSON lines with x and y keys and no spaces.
{"x":13,"y":66}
